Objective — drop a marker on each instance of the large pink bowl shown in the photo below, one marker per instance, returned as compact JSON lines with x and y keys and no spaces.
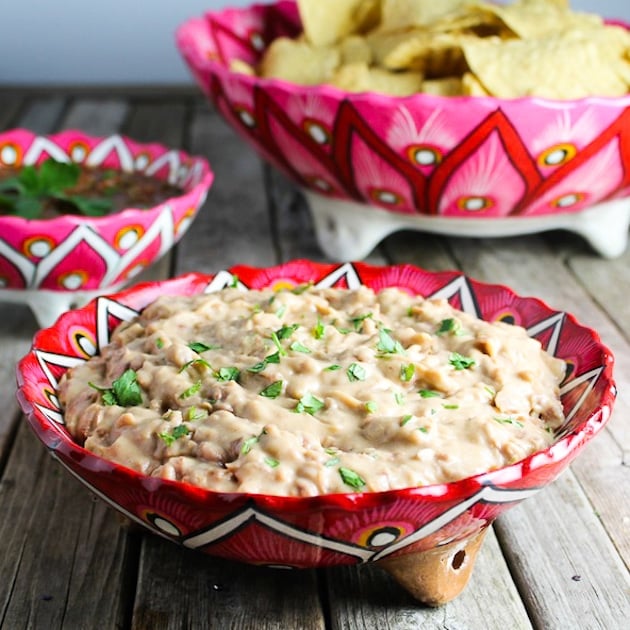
{"x":60,"y":260}
{"x":390,"y":527}
{"x":458,"y":165}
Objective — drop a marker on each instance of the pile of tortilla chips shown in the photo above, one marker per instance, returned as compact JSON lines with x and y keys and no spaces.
{"x":452,"y":47}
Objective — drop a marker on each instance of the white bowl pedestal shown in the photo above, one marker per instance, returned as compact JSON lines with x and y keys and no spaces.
{"x":349,"y":230}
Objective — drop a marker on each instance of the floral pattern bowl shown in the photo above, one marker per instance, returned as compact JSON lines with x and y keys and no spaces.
{"x":371,"y":164}
{"x":55,"y":263}
{"x":426,"y":537}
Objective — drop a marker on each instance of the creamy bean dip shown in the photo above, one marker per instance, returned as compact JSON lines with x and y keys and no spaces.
{"x":313,"y":391}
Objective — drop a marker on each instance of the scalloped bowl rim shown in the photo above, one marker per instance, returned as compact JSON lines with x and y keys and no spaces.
{"x":565,"y":448}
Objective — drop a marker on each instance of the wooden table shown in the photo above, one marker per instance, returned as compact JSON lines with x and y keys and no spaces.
{"x":559,"y":560}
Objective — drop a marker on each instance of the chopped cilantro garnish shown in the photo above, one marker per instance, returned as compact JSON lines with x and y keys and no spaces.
{"x":449,"y":325}
{"x":234,"y":282}
{"x":333,"y":461}
{"x":247,"y":444}
{"x":356,"y":372}
{"x":286,"y":331}
{"x":272,"y":391}
{"x":450,"y":406}
{"x":301,"y":288}
{"x":260,"y":366}
{"x":191,"y":391}
{"x":309,"y":404}
{"x":407,"y":372}
{"x":509,"y":420}
{"x":399,"y":397}
{"x":371,"y":406}
{"x":276,"y":342}
{"x":351,"y":478}
{"x":179,"y":431}
{"x":318,"y":329}
{"x":200,"y":346}
{"x":197,"y":414}
{"x":281,"y":311}
{"x":272,"y":462}
{"x":195,"y":363}
{"x":228,"y":373}
{"x":460,"y":362}
{"x":423,"y":429}
{"x":159,"y":343}
{"x":332,"y":368}
{"x":296,"y":346}
{"x":357,"y":322}
{"x":405,"y":419}
{"x":429,"y":393}
{"x":387,"y":344}
{"x":125,"y":390}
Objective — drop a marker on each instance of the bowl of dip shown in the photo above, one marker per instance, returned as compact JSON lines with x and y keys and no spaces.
{"x":501,"y":126}
{"x":81,"y":215}
{"x":310,"y":414}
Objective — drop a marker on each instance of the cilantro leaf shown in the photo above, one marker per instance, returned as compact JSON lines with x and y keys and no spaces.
{"x":286,"y":331}
{"x":407,"y":372}
{"x":460,"y":362}
{"x":449,"y":325}
{"x":200,"y":346}
{"x":127,"y":389}
{"x":309,"y":404}
{"x":296,"y":346}
{"x":356,"y":372}
{"x":230,"y":373}
{"x":387,"y":344}
{"x":272,"y":391}
{"x":351,"y":478}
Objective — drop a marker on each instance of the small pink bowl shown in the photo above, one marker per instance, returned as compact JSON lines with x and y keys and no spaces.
{"x":371,"y":164}
{"x":55,"y":263}
{"x":436,"y":529}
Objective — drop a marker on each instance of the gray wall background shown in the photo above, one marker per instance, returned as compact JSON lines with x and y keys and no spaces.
{"x":73,"y":42}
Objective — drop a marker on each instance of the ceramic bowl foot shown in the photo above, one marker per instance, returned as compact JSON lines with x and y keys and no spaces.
{"x":438,"y":575}
{"x":349,"y":230}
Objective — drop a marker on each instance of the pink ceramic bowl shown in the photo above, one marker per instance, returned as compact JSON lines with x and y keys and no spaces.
{"x":371,"y":164}
{"x":55,"y":263}
{"x":436,"y":529}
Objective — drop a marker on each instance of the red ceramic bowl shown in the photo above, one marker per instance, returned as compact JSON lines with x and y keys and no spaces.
{"x":371,"y":164}
{"x":417,"y":526}
{"x":57,"y":262}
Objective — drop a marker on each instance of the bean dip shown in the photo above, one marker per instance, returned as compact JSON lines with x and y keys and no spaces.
{"x":313,"y":391}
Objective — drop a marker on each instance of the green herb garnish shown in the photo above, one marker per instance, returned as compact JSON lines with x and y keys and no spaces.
{"x":179,"y":431}
{"x":27,"y":194}
{"x":125,"y":390}
{"x":195,"y":362}
{"x":191,"y":391}
{"x":309,"y":404}
{"x":296,"y":346}
{"x":387,"y":344}
{"x":286,"y":331}
{"x":429,"y":393}
{"x":356,"y":372}
{"x":272,"y":391}
{"x":371,"y":406}
{"x":261,"y":365}
{"x":332,"y":368}
{"x":225,"y":374}
{"x":200,"y":346}
{"x":247,"y":444}
{"x":405,"y":419}
{"x":460,"y":362}
{"x":399,"y":397}
{"x":351,"y":478}
{"x":272,"y":462}
{"x":509,"y":420}
{"x":318,"y":329}
{"x":407,"y":372}
{"x":357,"y":322}
{"x":449,"y":325}
{"x":197,"y":414}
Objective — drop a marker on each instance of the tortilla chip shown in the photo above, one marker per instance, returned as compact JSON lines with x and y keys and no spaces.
{"x":325,"y":22}
{"x":471,"y":86}
{"x":400,"y":14}
{"x":242,"y":67}
{"x":299,"y":62}
{"x":359,"y":77}
{"x":532,"y":19}
{"x":561,"y":66}
{"x":435,"y":55}
{"x":448,"y":86}
{"x":355,"y":49}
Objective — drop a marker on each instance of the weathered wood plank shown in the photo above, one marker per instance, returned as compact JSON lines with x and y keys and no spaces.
{"x":62,"y":552}
{"x":181,"y":588}
{"x":42,"y":115}
{"x":97,"y":117}
{"x":366,"y":597}
{"x":10,"y":107}
{"x":567,"y":571}
{"x":233,"y":225}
